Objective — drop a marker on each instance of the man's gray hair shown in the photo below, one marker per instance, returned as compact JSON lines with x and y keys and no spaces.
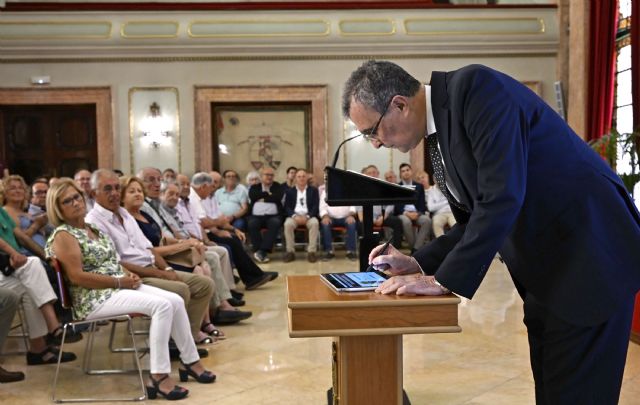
{"x":375,"y":83}
{"x":140,"y":176}
{"x":165,"y":184}
{"x":201,"y":178}
{"x":99,"y":174}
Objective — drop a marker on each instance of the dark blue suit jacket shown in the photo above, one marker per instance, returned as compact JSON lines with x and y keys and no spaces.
{"x":312,"y":201}
{"x":559,"y":216}
{"x":421,"y":204}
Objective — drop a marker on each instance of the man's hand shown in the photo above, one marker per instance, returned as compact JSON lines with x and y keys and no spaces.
{"x":326,"y":220}
{"x":350,"y":220}
{"x":378,"y":221}
{"x":240,"y":234}
{"x":169,"y":275}
{"x":17,"y":260}
{"x":411,"y":285}
{"x":40,"y":220}
{"x":398,"y":263}
{"x":412,"y":215}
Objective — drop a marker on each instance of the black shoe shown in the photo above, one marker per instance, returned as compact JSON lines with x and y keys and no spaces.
{"x":35,"y":359}
{"x":230,"y":317}
{"x":262,"y":280}
{"x":174,"y":353}
{"x":207,"y":377}
{"x":289,"y":257}
{"x":272,"y":275}
{"x":352,"y":256}
{"x":327,"y":256}
{"x":7,"y":376}
{"x":261,"y":257}
{"x":236,"y":279}
{"x":55,"y":338}
{"x":233,"y":301}
{"x":237,"y":294}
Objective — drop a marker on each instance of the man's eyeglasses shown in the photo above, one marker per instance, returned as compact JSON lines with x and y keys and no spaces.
{"x":152,"y":179}
{"x":372,"y":134}
{"x":70,"y":200}
{"x":109,"y":188}
{"x":40,"y":192}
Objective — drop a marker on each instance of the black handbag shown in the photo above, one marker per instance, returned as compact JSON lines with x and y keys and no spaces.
{"x":5,"y":264}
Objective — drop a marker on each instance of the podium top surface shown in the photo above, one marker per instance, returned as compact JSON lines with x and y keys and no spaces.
{"x":311,"y":292}
{"x":316,"y":310}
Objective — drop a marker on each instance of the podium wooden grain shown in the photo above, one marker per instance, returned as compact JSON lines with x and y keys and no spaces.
{"x":367,"y":330}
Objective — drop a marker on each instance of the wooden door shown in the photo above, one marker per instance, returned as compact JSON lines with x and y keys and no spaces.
{"x":48,"y":140}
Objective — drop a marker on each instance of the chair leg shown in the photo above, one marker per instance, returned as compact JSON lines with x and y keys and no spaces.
{"x":22,"y":333}
{"x":87,"y":363}
{"x":141,"y":332}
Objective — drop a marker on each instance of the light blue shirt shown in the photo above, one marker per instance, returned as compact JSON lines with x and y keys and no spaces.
{"x":230,"y":202}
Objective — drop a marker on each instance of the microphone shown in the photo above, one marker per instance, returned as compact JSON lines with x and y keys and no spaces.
{"x":335,"y":157}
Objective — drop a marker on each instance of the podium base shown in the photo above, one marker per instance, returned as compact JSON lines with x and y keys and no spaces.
{"x":405,"y":398}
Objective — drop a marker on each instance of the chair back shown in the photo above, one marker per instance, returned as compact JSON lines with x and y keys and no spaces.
{"x":65,"y":296}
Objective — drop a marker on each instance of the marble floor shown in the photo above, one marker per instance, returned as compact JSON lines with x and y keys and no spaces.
{"x":487,"y":363}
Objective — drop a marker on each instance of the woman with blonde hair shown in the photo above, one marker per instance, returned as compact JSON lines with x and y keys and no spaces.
{"x":100,"y":287}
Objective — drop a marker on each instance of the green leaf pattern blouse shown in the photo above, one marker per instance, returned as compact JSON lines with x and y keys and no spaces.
{"x":98,"y":256}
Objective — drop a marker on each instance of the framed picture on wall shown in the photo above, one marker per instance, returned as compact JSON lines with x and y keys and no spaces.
{"x":250,"y":136}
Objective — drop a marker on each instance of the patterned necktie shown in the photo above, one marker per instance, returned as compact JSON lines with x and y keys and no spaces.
{"x":438,"y":171}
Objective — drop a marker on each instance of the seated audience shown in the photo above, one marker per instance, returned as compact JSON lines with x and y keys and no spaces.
{"x":37,"y":207}
{"x":168,"y":174}
{"x":15,"y":203}
{"x":290,"y":180}
{"x":413,"y":214}
{"x":437,"y":205}
{"x":29,"y":280}
{"x":301,"y":207}
{"x":100,"y":287}
{"x":253,"y":178}
{"x":337,"y":216}
{"x":219,"y":230}
{"x":136,"y":254}
{"x":233,"y":200}
{"x":9,"y":301}
{"x":83,"y":180}
{"x":265,"y":208}
{"x":383,"y":215}
{"x":391,"y":177}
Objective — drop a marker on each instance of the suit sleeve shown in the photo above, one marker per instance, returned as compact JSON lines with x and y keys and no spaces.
{"x":496,"y":130}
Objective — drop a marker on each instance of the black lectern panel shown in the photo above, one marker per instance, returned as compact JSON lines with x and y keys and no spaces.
{"x":350,"y":188}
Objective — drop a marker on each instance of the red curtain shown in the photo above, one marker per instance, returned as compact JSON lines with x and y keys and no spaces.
{"x":602,"y":37}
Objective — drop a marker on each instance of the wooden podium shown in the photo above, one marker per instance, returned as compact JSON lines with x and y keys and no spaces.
{"x":367,"y":330}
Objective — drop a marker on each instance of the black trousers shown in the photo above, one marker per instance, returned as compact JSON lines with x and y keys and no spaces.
{"x":248,"y":271}
{"x":255,"y":223}
{"x":575,"y":364}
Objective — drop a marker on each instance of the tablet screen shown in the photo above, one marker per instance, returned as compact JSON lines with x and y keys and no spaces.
{"x":355,"y":281}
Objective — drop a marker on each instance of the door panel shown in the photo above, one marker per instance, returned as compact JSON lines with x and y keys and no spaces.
{"x":48,"y":140}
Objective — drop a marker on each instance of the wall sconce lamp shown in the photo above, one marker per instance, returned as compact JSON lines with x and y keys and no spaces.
{"x":155,"y":127}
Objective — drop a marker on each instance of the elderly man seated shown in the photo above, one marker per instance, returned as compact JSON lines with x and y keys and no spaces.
{"x":135,"y":250}
{"x":266,"y":210}
{"x":233,"y":200}
{"x":302,"y":207}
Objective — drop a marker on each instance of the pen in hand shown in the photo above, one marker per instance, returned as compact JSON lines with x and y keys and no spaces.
{"x":382,"y":251}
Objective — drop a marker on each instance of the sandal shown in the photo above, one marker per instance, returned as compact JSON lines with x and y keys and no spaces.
{"x":207,"y":377}
{"x":213,"y":331}
{"x":35,"y":359}
{"x":176,"y":393}
{"x":206,"y":340}
{"x":55,"y":337}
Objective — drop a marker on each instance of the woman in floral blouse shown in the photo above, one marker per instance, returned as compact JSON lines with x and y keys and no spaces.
{"x":100,"y":287}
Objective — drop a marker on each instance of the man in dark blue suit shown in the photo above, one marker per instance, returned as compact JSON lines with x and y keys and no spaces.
{"x":301,"y":208}
{"x":520,"y":182}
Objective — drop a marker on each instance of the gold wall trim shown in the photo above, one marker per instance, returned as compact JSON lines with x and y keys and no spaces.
{"x":19,"y":30}
{"x":243,"y":28}
{"x":132,"y":29}
{"x":148,"y":59}
{"x":133,"y":90}
{"x":457,"y":29}
{"x":344,"y":24}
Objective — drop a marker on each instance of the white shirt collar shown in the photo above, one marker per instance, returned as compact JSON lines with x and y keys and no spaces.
{"x":431,"y":124}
